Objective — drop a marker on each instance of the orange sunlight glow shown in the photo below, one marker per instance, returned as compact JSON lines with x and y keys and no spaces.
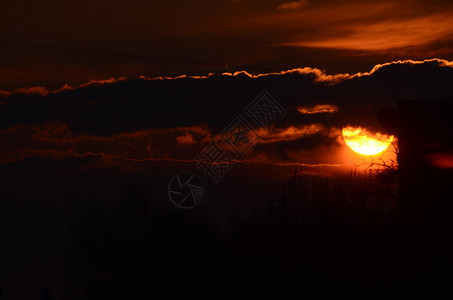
{"x":317,"y":109}
{"x":364,"y":142}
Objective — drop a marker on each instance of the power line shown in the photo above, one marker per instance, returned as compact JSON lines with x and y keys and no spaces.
{"x":128,"y":55}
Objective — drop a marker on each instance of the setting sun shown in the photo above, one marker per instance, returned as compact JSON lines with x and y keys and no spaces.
{"x":364,"y":142}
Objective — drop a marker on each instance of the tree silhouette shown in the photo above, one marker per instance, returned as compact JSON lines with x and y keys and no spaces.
{"x":46,"y":294}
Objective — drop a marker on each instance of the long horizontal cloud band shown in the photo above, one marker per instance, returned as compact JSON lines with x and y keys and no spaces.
{"x":115,"y":106}
{"x":55,"y":140}
{"x":160,"y":117}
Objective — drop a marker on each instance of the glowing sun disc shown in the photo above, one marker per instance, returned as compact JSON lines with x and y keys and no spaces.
{"x":364,"y":142}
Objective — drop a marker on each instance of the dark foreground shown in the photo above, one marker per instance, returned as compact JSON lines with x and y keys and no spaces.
{"x":322,"y":239}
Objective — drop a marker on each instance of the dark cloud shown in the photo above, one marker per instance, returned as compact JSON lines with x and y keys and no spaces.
{"x":174,"y":118}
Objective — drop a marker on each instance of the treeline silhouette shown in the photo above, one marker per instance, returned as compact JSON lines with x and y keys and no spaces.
{"x":335,"y":238}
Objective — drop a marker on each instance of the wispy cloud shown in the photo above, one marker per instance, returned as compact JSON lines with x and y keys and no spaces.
{"x":56,"y":140}
{"x":294,"y":5}
{"x":43,"y":91}
{"x":317,"y":109}
{"x":371,"y":26}
{"x":291,"y":133}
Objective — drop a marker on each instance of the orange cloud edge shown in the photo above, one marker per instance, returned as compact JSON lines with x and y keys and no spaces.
{"x":321,"y":76}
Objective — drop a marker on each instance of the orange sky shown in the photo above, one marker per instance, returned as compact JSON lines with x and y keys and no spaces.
{"x":52,"y":43}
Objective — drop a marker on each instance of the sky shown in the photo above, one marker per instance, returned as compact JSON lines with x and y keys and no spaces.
{"x":52,"y":43}
{"x":95,"y":94}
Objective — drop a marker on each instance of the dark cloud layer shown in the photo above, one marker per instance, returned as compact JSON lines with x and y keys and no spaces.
{"x":174,"y":118}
